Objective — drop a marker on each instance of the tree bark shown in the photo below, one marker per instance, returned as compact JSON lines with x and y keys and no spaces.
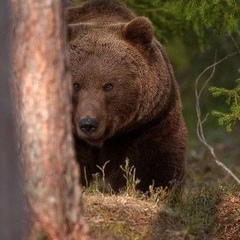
{"x":42,"y":91}
{"x":11,"y":197}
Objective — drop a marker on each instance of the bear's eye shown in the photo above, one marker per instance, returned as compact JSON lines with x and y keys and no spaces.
{"x":76,"y":87}
{"x":108,"y":87}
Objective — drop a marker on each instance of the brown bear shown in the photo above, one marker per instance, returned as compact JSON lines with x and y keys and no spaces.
{"x":126,"y":102}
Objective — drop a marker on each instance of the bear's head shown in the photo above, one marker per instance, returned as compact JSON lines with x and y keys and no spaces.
{"x":110,"y":66}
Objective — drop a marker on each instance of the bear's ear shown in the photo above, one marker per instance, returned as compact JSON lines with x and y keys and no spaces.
{"x":139,"y":30}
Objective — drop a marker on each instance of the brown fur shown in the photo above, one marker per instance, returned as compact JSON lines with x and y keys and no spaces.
{"x":124,"y":81}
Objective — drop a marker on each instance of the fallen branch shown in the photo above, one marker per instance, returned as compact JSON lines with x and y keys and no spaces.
{"x":200,"y":132}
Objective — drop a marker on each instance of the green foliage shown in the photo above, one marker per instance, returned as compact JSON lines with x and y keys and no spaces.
{"x":233,"y":101}
{"x":204,"y":19}
{"x":221,"y":17}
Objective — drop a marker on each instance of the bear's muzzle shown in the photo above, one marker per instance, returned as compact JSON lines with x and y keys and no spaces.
{"x":88,"y":125}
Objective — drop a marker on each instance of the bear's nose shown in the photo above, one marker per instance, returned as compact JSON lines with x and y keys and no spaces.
{"x":88,"y":125}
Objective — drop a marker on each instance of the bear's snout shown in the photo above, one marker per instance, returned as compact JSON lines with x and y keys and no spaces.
{"x":88,"y":125}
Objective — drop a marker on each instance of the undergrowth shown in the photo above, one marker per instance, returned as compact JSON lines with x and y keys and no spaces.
{"x":130,"y":214}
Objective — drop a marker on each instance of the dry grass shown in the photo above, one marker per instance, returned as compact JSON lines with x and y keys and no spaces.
{"x":118,"y":217}
{"x":206,"y":215}
{"x":209,"y":208}
{"x":228,"y":217}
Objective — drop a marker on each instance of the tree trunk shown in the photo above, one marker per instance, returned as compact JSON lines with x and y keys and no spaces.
{"x":42,"y":91}
{"x":11,"y":198}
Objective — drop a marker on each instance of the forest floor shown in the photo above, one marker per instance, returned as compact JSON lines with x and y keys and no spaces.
{"x":209,"y":207}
